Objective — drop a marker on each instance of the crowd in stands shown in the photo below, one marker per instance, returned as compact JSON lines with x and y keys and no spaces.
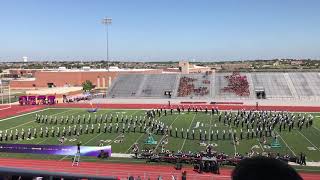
{"x":187,"y":87}
{"x":237,"y":84}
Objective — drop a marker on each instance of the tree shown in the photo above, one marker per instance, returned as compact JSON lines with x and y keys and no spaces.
{"x":87,"y":85}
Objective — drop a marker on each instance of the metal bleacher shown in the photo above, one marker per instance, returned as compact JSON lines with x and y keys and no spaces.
{"x":125,"y":85}
{"x":156,"y":84}
{"x":306,"y":84}
{"x":275,"y":84}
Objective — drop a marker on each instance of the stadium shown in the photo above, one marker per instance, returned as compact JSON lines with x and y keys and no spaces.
{"x":196,"y":119}
{"x":159,"y":90}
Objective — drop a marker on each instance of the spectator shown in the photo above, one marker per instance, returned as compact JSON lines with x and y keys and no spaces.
{"x":264,"y":168}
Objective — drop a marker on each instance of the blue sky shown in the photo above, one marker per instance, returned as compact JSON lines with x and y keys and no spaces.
{"x":160,"y":30}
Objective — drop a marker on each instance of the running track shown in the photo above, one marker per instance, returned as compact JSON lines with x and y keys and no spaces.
{"x":121,"y":170}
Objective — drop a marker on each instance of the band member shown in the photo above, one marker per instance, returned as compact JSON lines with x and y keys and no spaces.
{"x":62,"y":139}
{"x":187,"y":133}
{"x":193,"y":134}
{"x":224,"y":134}
{"x":182,"y":133}
{"x":217,"y":134}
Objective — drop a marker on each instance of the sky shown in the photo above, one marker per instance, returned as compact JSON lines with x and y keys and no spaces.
{"x":159,"y":30}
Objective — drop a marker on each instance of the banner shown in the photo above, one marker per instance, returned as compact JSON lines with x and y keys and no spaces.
{"x":54,"y":149}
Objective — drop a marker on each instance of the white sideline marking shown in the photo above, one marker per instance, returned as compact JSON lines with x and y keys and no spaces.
{"x":40,"y":110}
{"x":286,"y":144}
{"x":309,"y":141}
{"x":184,"y":141}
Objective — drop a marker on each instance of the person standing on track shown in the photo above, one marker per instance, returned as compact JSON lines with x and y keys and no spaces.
{"x":78,"y":147}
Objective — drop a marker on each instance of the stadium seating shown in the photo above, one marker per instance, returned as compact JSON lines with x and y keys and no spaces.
{"x":156,"y":84}
{"x":125,"y":85}
{"x":275,"y":84}
{"x":218,"y":86}
{"x":306,"y":84}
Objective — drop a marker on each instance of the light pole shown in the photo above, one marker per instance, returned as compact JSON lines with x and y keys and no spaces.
{"x":106,"y":21}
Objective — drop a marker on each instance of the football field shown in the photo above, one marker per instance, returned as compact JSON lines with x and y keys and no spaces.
{"x":307,"y":140}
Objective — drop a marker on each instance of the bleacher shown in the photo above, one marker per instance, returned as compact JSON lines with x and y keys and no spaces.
{"x":306,"y":84}
{"x":125,"y":85}
{"x":155,"y":85}
{"x":276,"y":85}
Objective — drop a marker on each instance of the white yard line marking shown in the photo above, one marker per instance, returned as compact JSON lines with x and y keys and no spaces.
{"x":93,"y":138}
{"x":316,"y":128}
{"x":184,"y":141}
{"x":164,"y":135}
{"x":286,"y":144}
{"x":42,"y":141}
{"x":309,"y":140}
{"x":135,"y":142}
{"x":23,"y":114}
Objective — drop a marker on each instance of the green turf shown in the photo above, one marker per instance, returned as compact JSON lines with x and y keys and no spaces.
{"x":292,"y":143}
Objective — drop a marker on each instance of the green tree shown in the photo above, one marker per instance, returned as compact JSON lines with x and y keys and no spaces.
{"x":87,"y":85}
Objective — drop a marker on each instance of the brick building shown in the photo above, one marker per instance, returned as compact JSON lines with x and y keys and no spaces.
{"x":101,"y":78}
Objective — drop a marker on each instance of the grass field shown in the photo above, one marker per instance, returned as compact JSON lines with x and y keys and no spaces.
{"x":294,"y":142}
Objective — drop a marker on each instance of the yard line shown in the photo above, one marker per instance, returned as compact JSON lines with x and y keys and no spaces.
{"x":93,"y":138}
{"x":164,"y":135}
{"x":286,"y":144}
{"x":316,"y":128}
{"x":135,"y":142}
{"x":42,"y":141}
{"x":309,"y":140}
{"x":24,"y":114}
{"x":184,"y":141}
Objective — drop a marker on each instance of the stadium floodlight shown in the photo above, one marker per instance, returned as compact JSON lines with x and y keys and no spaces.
{"x":107,"y":21}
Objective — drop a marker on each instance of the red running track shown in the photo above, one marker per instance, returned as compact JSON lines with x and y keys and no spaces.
{"x":122,"y":170}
